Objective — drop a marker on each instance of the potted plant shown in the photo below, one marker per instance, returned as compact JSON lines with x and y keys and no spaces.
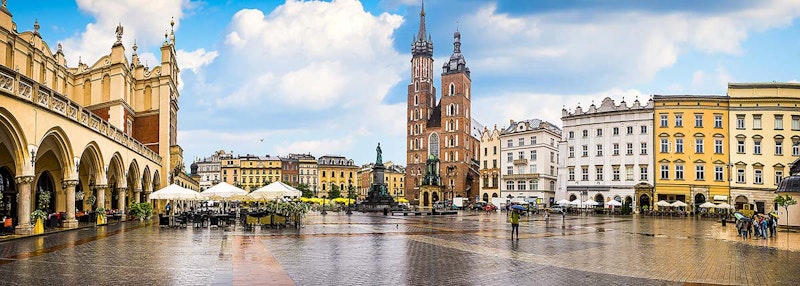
{"x":101,"y":216}
{"x":37,"y":219}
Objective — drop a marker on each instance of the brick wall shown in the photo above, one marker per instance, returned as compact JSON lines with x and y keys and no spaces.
{"x":145,"y":130}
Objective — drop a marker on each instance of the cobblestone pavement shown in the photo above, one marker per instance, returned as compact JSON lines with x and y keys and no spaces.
{"x":471,"y":248}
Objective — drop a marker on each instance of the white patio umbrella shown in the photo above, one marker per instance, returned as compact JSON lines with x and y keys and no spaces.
{"x":563,"y":202}
{"x":723,"y":206}
{"x":276,"y":190}
{"x":708,"y":205}
{"x":576,"y":202}
{"x":663,"y":204}
{"x":614,"y":203}
{"x":224,"y":192}
{"x":678,"y":204}
{"x":174,"y":192}
{"x":590,"y":203}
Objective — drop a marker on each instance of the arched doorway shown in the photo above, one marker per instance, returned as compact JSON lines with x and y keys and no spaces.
{"x":45,"y":193}
{"x":599,"y":199}
{"x":486,"y":197}
{"x":435,"y":197}
{"x":426,"y":199}
{"x":741,"y":201}
{"x":495,"y":195}
{"x":572,"y":197}
{"x":644,"y":202}
{"x":111,"y":194}
{"x":629,"y":201}
{"x":699,"y":199}
{"x":9,"y":194}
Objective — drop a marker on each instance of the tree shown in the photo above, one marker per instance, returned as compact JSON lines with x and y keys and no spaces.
{"x":335,"y":192}
{"x":351,"y":192}
{"x":785,"y":202}
{"x":306,"y":191}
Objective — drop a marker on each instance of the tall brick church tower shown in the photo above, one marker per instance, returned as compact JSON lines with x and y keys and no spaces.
{"x":440,"y":130}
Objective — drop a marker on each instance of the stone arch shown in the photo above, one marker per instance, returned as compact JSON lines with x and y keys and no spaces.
{"x":90,"y":173}
{"x":106,"y":87}
{"x":133,"y":175}
{"x":572,"y":197}
{"x":485,"y":197}
{"x":599,"y":199}
{"x":146,"y":184}
{"x":156,"y":182}
{"x":115,"y":179}
{"x":13,"y":139}
{"x":56,"y":141}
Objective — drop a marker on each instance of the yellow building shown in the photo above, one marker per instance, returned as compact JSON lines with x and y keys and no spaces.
{"x":393,"y":177}
{"x":691,"y":142}
{"x":765,"y":138}
{"x":250,"y":172}
{"x":336,"y":171}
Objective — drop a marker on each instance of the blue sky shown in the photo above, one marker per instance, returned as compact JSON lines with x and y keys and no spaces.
{"x":330,"y":77}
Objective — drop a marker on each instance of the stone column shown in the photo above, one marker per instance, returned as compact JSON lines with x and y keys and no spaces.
{"x":121,"y":194}
{"x":69,"y":186}
{"x":101,"y":196}
{"x":24,"y":226}
{"x":137,"y":193}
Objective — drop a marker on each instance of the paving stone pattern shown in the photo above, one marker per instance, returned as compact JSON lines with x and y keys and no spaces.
{"x":471,"y":248}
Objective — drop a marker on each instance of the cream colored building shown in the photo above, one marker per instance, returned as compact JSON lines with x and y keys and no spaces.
{"x":490,"y":164}
{"x":765,"y":140}
{"x":336,"y":171}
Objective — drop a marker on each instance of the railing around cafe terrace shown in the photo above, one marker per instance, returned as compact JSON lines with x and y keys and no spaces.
{"x":18,"y":85}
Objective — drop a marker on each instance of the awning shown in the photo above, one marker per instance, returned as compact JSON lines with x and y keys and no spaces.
{"x":720,"y":198}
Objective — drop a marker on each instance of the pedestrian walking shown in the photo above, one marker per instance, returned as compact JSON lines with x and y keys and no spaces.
{"x":514,"y":219}
{"x":546,"y":218}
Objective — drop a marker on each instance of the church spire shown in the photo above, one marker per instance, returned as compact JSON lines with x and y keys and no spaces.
{"x":422,"y":45}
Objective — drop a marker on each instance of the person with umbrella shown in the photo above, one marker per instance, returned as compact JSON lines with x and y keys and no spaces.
{"x":514,"y":219}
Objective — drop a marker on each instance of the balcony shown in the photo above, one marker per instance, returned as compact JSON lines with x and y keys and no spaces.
{"x":521,"y":176}
{"x":521,"y":162}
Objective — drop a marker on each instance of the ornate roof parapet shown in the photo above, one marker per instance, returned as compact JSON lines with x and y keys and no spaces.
{"x":608,"y":105}
{"x":530,"y":125}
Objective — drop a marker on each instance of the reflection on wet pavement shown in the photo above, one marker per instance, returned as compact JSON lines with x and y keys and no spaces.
{"x":471,"y":248}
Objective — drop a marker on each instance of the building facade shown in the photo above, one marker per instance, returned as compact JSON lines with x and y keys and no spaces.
{"x":764,"y":137}
{"x":307,"y":171}
{"x":290,"y":171}
{"x":490,"y":164}
{"x":607,"y":153}
{"x":394,"y":177}
{"x":441,"y":128}
{"x":528,"y":161}
{"x":336,"y":171}
{"x":209,"y":169}
{"x":691,"y":156}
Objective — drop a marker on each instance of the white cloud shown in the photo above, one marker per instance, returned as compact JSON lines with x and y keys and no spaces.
{"x":703,"y":82}
{"x":623,"y":47}
{"x":320,"y":147}
{"x":145,"y":21}
{"x":196,"y":59}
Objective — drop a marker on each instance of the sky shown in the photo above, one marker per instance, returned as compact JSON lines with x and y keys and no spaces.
{"x":330,"y":77}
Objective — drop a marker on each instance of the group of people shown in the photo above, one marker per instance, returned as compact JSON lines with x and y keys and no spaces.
{"x":758,"y":226}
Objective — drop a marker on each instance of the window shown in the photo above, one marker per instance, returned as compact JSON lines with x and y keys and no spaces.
{"x":509,"y":170}
{"x":585,"y":133}
{"x":778,"y":176}
{"x":718,"y":146}
{"x":520,"y":155}
{"x":552,"y":157}
{"x":571,"y":151}
{"x":534,"y":184}
{"x":664,"y":171}
{"x":630,"y":130}
{"x":678,"y":172}
{"x":615,"y":149}
{"x":509,"y":143}
{"x":585,"y":173}
{"x":629,"y":173}
{"x":740,"y":146}
{"x":599,"y":132}
{"x":739,"y":121}
{"x":630,"y":148}
{"x":521,"y":170}
{"x":521,"y":141}
{"x":678,"y":120}
{"x":615,"y":170}
{"x":718,"y":174}
{"x":740,"y":175}
{"x":533,"y":154}
{"x":664,"y":145}
{"x":678,"y":145}
{"x":485,"y":164}
{"x":552,"y":170}
{"x":699,"y":172}
{"x":571,"y":134}
{"x":663,"y":120}
{"x":510,"y":185}
{"x":494,"y":150}
{"x":644,"y":148}
{"x":795,"y":149}
{"x":756,"y":121}
{"x":494,"y":163}
{"x":534,"y":169}
{"x":796,"y":122}
{"x":778,"y":147}
{"x":599,"y":150}
{"x":571,"y":172}
{"x":644,"y":129}
{"x":533,"y":140}
{"x":615,"y":130}
{"x":698,"y":145}
{"x":598,"y":173}
{"x":757,"y":146}
{"x":585,"y":150}
{"x":698,"y":120}
{"x":757,"y":177}
{"x":778,"y":122}
{"x":643,"y":172}
{"x":509,"y":157}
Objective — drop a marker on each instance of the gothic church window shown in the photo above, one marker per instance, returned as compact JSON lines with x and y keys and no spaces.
{"x":433,"y":144}
{"x":452,"y":89}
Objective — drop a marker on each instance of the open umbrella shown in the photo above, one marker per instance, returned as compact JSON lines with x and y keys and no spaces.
{"x":563,"y":202}
{"x":589,"y":203}
{"x":663,"y":204}
{"x":614,"y":203}
{"x":576,"y":202}
{"x":174,"y":192}
{"x":519,"y":207}
{"x":723,"y":206}
{"x":224,"y":192}
{"x":708,"y":205}
{"x":738,"y":215}
{"x":678,"y":204}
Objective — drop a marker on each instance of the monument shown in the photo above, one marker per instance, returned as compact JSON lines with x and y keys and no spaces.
{"x":378,"y":197}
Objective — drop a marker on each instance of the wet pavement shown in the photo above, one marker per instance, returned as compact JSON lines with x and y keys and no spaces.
{"x":471,"y":248}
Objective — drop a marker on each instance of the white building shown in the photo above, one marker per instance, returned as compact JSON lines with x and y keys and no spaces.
{"x":208,"y":169}
{"x":528,"y":161}
{"x":607,"y":152}
{"x":308,"y":171}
